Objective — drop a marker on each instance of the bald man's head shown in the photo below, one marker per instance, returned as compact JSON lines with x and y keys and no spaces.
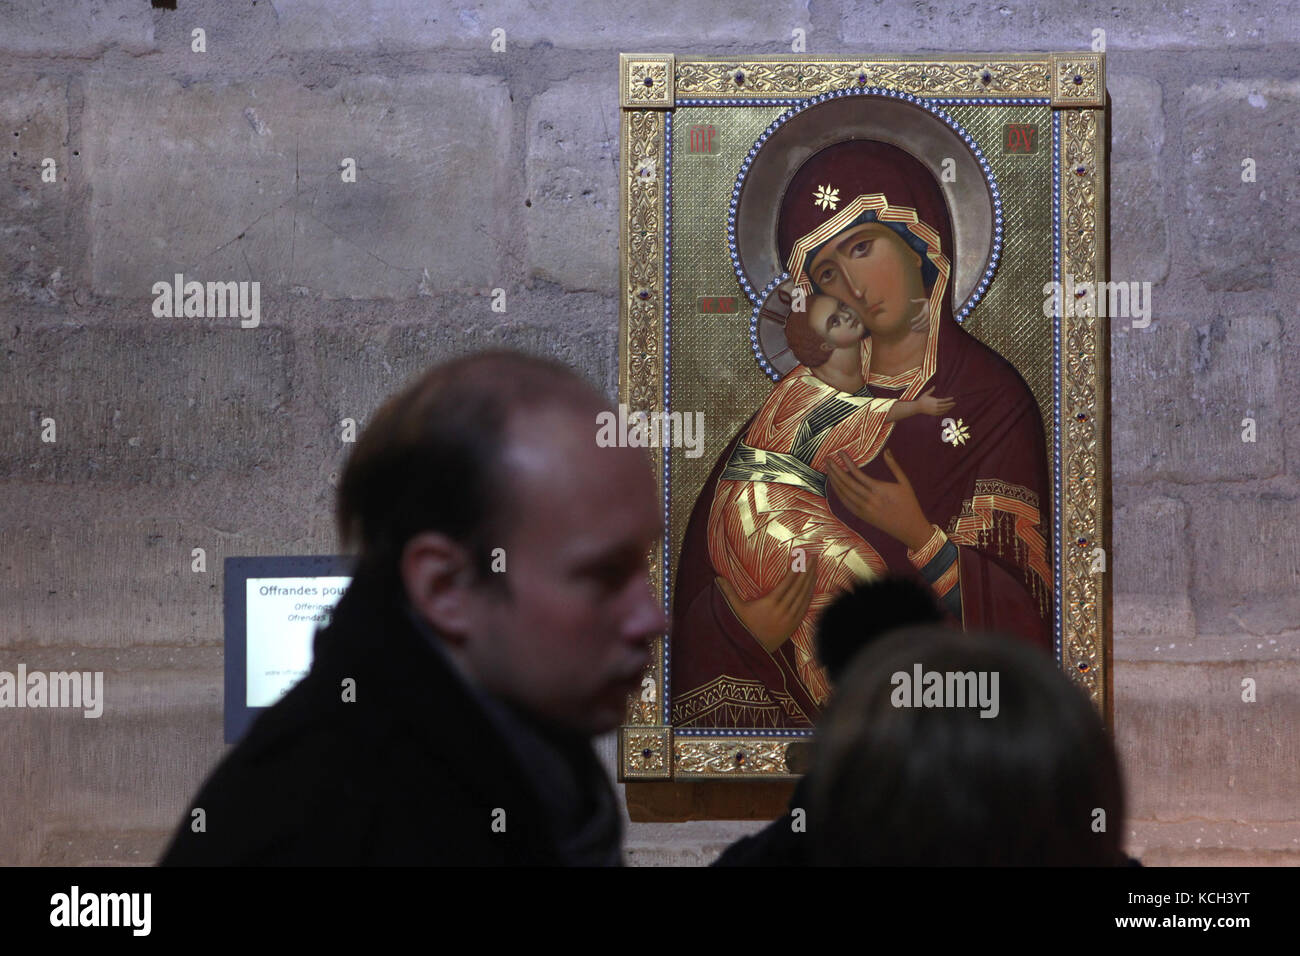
{"x":431,"y":457}
{"x":482,"y":496}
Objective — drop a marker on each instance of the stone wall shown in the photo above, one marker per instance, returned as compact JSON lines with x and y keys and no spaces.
{"x":482,"y":170}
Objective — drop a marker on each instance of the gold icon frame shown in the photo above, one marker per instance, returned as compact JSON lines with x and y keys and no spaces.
{"x":1065,"y":94}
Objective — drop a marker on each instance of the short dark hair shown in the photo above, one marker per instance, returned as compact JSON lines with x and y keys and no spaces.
{"x":872,"y":608}
{"x":430,"y":459}
{"x":895,"y":785}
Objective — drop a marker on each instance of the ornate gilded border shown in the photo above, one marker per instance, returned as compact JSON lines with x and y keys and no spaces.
{"x":1083,"y":382}
{"x":640,"y":364}
{"x":649,"y":87}
{"x":658,"y":80}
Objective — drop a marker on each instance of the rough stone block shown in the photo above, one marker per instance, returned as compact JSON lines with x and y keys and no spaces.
{"x":693,"y":843}
{"x":1191,"y":748}
{"x":100,"y":843}
{"x":1223,"y":124}
{"x":356,"y":369}
{"x":1202,"y":843}
{"x":78,"y":28}
{"x":146,"y":404}
{"x":902,"y":25}
{"x":1246,"y":578}
{"x":79,"y":785}
{"x":1137,"y":118}
{"x":1289,"y":394}
{"x":236,"y":35}
{"x":1139,"y":223}
{"x":1151,"y":564}
{"x":116,"y":581}
{"x":33,"y":127}
{"x":244,"y":180}
{"x":1218,"y":856}
{"x":585,"y":24}
{"x":664,"y":856}
{"x":572,"y":177}
{"x":1180,"y":395}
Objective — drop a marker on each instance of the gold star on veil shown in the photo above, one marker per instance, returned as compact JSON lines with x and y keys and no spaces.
{"x":826,"y":197}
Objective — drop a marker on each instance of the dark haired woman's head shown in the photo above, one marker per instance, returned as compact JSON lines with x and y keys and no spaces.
{"x":950,"y":748}
{"x":872,"y":609}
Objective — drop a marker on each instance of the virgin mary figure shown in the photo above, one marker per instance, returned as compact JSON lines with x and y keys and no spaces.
{"x":825,"y":467}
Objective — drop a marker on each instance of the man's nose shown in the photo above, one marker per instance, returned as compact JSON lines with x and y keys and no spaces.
{"x":646,"y":619}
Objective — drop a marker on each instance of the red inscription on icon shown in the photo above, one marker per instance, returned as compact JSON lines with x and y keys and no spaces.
{"x":720,"y":304}
{"x":1021,"y":137}
{"x":702,"y":139}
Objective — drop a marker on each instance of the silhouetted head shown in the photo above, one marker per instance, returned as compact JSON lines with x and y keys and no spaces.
{"x":873,"y":608}
{"x":897,"y":782}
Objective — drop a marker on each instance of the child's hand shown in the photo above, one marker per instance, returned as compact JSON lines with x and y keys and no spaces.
{"x":927,"y":404}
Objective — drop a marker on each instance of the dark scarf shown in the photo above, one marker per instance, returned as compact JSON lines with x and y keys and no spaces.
{"x":559,"y":764}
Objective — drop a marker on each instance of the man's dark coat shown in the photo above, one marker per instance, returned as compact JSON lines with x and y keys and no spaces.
{"x":414,"y":771}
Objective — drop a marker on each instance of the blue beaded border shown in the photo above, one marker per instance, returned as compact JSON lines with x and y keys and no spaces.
{"x":757,"y":299}
{"x":735,"y":101}
{"x":751,"y":734}
{"x":1057,"y":571}
{"x":665,"y":563}
{"x":938,"y":100}
{"x":992,"y":100}
{"x":753,"y":328}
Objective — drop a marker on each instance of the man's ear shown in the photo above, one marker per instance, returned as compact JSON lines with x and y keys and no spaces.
{"x":439,"y":579}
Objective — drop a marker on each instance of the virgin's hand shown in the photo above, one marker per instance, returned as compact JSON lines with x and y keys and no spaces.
{"x":773,"y":617}
{"x":890,"y":506}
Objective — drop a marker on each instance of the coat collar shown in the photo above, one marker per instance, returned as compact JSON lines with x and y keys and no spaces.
{"x":398,"y":671}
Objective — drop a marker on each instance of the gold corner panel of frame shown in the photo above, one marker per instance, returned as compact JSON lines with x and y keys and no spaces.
{"x":656,"y":753}
{"x":645,"y":753}
{"x":655,"y":81}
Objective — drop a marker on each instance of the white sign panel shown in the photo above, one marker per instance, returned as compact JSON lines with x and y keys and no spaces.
{"x":283,"y":615}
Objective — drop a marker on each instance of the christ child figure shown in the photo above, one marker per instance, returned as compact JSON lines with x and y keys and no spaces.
{"x":770,"y":514}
